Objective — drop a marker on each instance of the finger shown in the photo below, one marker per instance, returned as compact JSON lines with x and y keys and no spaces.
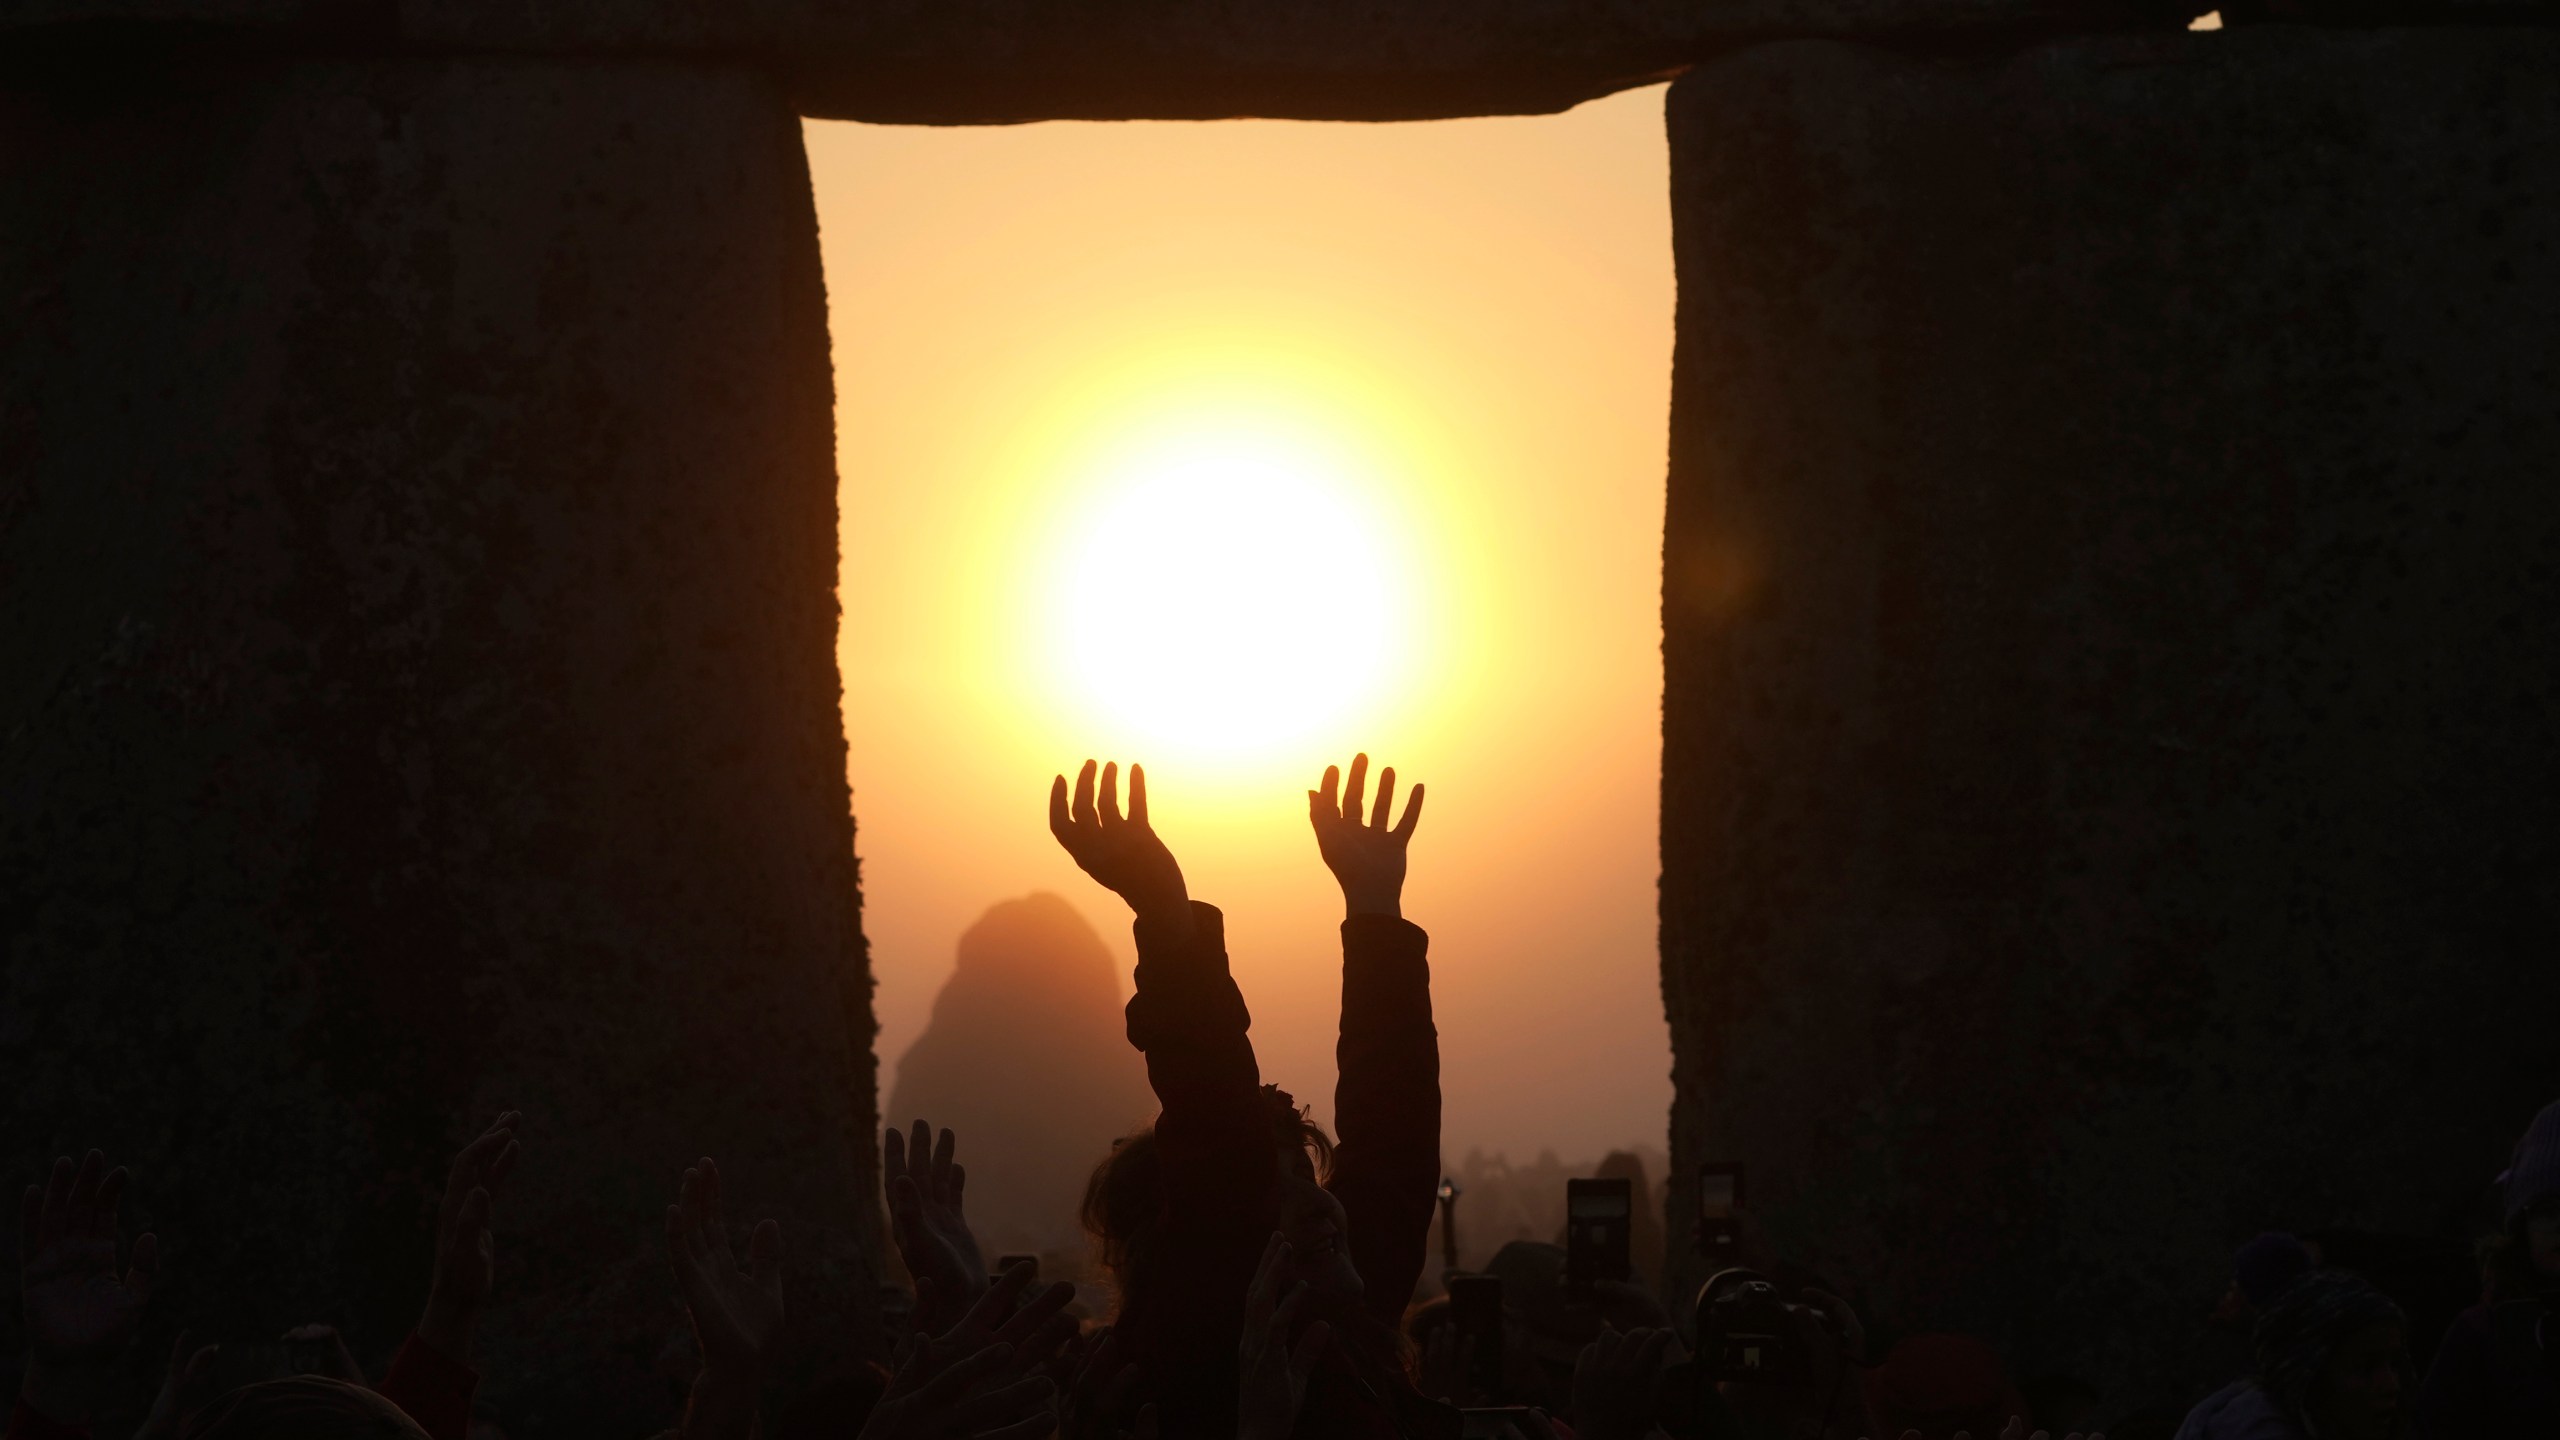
{"x":1412,"y":813}
{"x":943,"y":1148}
{"x":1084,"y":796}
{"x":959,"y":1185}
{"x":1059,"y":825}
{"x":920,"y":1158}
{"x":957,"y":1377}
{"x":1111,"y":796}
{"x":505,"y":1162}
{"x":764,"y":1257}
{"x":145,"y":1268}
{"x":1354,"y":786}
{"x":30,"y":1209}
{"x":1261,"y":1296}
{"x":1034,"y":1318}
{"x":715,"y":1229}
{"x":1649,"y":1351}
{"x":81,"y":1215}
{"x":198,"y":1364}
{"x":1138,"y":796}
{"x":1386,"y":797}
{"x":1146,"y":1423}
{"x":893,"y":1156}
{"x":56,"y":1214}
{"x":1332,"y":791}
{"x":998,"y":1301}
{"x":475,"y":1157}
{"x":110,"y":1195}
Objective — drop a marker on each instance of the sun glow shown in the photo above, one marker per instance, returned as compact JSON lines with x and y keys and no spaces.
{"x":1231,"y":590}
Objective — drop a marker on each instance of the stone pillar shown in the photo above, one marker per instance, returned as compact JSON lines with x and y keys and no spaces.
{"x":2112,"y":610}
{"x":418,"y":689}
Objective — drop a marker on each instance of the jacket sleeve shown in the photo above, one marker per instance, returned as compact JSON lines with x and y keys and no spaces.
{"x":432,"y":1388}
{"x":1214,"y":1142}
{"x":1386,"y":1106}
{"x":1190,"y":1021}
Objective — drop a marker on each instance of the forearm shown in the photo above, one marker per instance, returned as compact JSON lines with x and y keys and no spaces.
{"x":448,"y":1326}
{"x":721,"y":1407}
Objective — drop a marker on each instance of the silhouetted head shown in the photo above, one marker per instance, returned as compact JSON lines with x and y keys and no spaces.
{"x":2332,"y":1351}
{"x":303,"y":1407}
{"x":1124,"y":1206}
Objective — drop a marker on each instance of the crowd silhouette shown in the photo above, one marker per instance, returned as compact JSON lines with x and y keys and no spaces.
{"x":1268,"y":1278}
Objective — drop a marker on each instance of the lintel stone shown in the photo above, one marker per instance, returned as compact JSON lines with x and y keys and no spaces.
{"x":1005,"y":61}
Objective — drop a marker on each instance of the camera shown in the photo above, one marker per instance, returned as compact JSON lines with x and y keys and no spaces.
{"x":1745,"y":1332}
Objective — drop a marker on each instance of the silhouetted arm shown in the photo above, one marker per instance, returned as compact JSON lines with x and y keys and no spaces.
{"x":1213,"y":1134}
{"x":1386,"y":1103}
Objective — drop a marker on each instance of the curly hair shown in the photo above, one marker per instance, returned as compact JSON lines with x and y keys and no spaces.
{"x":1124,"y":1201}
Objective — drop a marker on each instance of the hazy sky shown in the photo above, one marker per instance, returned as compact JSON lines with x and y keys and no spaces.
{"x":1233,"y":448}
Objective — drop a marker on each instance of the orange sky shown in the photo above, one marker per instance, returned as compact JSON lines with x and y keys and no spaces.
{"x":1388,"y":401}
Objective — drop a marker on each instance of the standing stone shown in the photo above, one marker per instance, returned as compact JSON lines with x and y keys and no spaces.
{"x":418,"y":691}
{"x":2112,"y":610}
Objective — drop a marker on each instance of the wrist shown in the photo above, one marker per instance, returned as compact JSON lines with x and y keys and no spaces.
{"x":447,"y":1325}
{"x":1356,"y":903}
{"x":1168,"y":915}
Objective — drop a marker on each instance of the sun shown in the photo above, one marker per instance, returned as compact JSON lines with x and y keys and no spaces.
{"x":1229,"y":591}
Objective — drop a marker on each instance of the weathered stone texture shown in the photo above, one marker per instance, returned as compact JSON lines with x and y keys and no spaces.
{"x":418,"y":690}
{"x":2112,"y":608}
{"x":1000,"y":61}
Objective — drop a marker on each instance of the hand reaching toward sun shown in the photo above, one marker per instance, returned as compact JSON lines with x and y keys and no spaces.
{"x":1120,"y":851}
{"x":1368,"y":858}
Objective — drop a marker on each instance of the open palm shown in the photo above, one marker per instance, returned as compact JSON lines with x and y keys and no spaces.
{"x":1366,"y":856}
{"x":736,"y":1309}
{"x":78,"y":1307}
{"x":928,"y":1223}
{"x":1121,"y":852}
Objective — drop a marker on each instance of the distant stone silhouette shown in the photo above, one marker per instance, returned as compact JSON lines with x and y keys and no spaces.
{"x":1025,"y":1058}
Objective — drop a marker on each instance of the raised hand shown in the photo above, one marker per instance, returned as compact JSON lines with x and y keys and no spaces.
{"x":1122,"y":853}
{"x":932,"y":1233}
{"x":465,"y":1254}
{"x":963,"y":1397}
{"x":736,"y":1308}
{"x":1272,"y":1373}
{"x":1614,"y":1383}
{"x":1103,"y":1380}
{"x":80,"y":1310}
{"x":1367,"y":857}
{"x":188,"y":1385}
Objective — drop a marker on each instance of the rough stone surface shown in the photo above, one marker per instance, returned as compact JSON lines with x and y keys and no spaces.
{"x":418,"y":691}
{"x":2112,"y":609}
{"x":1000,"y":61}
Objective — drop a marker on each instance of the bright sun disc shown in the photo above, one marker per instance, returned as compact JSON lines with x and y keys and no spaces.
{"x":1227,"y":597}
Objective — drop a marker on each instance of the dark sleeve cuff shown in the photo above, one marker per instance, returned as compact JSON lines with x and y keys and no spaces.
{"x":1183,"y":986}
{"x":26,"y":1422}
{"x":1383,"y":937}
{"x":433,"y":1388}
